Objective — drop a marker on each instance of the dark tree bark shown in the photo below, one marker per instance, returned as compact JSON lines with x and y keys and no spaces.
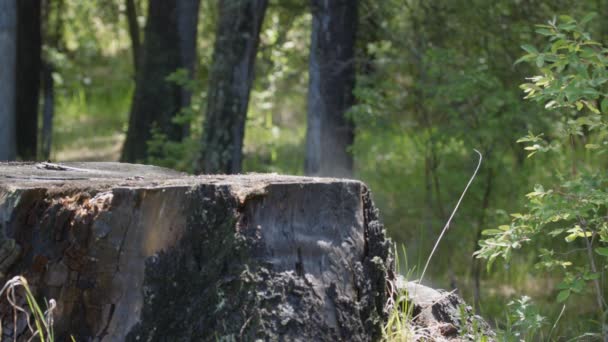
{"x":8,"y":63}
{"x":230,"y":84}
{"x":187,"y":29}
{"x":156,"y":100}
{"x":134,"y":32}
{"x":29,"y":43}
{"x":330,"y":92}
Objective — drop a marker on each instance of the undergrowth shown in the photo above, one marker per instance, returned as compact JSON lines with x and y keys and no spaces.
{"x":42,"y":325}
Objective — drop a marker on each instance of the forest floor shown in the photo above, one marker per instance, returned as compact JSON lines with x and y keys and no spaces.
{"x":97,"y":148}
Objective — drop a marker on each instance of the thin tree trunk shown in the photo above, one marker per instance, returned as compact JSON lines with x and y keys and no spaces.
{"x":29,"y":43}
{"x":48,"y":110}
{"x":156,"y":101}
{"x":330,"y":91}
{"x":230,"y":82}
{"x":53,"y":32}
{"x":8,"y":60}
{"x":187,"y":29}
{"x":134,"y":32}
{"x":437,"y":187}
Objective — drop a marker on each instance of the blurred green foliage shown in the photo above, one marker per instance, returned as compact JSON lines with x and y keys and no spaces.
{"x":436,"y":79}
{"x":567,"y":222}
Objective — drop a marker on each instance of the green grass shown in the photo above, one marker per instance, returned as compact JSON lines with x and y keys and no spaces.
{"x":42,"y":327}
{"x":90,"y":121}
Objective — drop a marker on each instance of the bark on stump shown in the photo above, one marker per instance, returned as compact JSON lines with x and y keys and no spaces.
{"x":442,"y":315}
{"x":140,"y":253}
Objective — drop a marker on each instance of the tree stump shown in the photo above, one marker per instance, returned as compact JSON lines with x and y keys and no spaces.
{"x":141,"y":253}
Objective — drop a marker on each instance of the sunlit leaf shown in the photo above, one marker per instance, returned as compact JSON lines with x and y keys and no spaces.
{"x":563,"y":295}
{"x":529,"y":49}
{"x":602,"y":251}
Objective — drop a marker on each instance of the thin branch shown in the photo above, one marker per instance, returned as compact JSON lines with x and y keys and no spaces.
{"x":447,"y":224}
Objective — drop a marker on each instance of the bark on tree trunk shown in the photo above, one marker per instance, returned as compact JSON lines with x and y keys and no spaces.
{"x":230,"y":84}
{"x":133,"y":252}
{"x":29,"y":43}
{"x":8,"y":59}
{"x":156,"y":101}
{"x":330,"y":92}
{"x":187,"y":29}
{"x":48,"y":110}
{"x":134,"y":32}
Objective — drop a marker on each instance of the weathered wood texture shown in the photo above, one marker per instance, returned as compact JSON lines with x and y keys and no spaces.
{"x":442,"y":316}
{"x":140,"y":253}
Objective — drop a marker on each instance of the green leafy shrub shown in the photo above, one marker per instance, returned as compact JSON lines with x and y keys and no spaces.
{"x":567,"y":221}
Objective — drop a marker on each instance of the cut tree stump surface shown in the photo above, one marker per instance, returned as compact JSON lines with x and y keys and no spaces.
{"x":142,"y":253}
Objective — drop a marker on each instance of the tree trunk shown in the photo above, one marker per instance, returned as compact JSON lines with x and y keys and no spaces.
{"x":140,"y":253}
{"x":230,"y":84}
{"x":156,"y":101}
{"x":187,"y":29}
{"x":8,"y":67}
{"x":53,"y":19}
{"x":134,"y":32}
{"x":330,"y":92}
{"x":48,"y":110}
{"x":29,"y":43}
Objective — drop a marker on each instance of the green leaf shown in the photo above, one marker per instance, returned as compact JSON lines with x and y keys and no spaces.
{"x":524,"y":58}
{"x":540,"y":61}
{"x":567,"y":27}
{"x":545,"y":32}
{"x":578,"y":286}
{"x":529,"y":49}
{"x":491,"y":232}
{"x":602,"y":251}
{"x":571,"y":237}
{"x":588,"y":18}
{"x":604,"y":105}
{"x":556,"y":232}
{"x":592,"y":276}
{"x":591,"y":107}
{"x":563,"y":295}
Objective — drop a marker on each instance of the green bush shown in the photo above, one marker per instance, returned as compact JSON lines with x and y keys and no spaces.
{"x":566,"y":221}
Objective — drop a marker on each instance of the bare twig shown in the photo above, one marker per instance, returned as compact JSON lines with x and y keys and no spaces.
{"x":598,"y":290}
{"x":447,"y":224}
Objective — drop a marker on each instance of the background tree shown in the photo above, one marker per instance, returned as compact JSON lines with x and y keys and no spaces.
{"x":53,"y":45}
{"x":330,"y":92}
{"x":29,"y":44}
{"x":134,"y":31}
{"x":156,"y":100}
{"x":187,"y":29}
{"x":8,"y":60}
{"x":230,"y":81}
